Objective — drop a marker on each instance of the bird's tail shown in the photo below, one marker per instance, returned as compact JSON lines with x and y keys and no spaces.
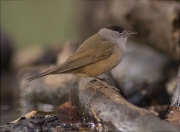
{"x":51,"y":71}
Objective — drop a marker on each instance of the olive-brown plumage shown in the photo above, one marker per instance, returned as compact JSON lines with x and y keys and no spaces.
{"x":97,"y":55}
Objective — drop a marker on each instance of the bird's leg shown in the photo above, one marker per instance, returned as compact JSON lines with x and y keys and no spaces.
{"x":97,"y":79}
{"x":105,"y":84}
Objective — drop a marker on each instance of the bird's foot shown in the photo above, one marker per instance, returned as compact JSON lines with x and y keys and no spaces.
{"x":105,"y":84}
{"x":97,"y":79}
{"x":115,"y":88}
{"x":92,"y":81}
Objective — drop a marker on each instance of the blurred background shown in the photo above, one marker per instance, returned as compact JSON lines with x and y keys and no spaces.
{"x":32,"y":23}
{"x":33,"y":33}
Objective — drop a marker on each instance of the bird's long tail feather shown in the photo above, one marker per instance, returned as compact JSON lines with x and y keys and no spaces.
{"x":51,"y":71}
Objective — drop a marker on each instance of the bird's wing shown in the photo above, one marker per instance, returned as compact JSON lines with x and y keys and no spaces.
{"x":78,"y":61}
{"x":81,"y":57}
{"x":42,"y":74}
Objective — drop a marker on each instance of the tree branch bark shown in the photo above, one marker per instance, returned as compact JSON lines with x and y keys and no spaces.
{"x":105,"y":103}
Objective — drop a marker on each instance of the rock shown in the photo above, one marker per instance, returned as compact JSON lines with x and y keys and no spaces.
{"x":27,"y":57}
{"x":52,"y":89}
{"x":140,"y":64}
{"x":156,"y":22}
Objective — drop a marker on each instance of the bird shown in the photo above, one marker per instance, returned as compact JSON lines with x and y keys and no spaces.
{"x":97,"y":55}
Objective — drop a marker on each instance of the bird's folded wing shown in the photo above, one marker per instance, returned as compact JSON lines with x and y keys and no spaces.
{"x":86,"y":57}
{"x":81,"y":58}
{"x":86,"y":60}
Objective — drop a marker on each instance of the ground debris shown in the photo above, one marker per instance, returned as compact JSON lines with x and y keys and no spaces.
{"x":27,"y":116}
{"x":174,"y":116}
{"x":68,"y":112}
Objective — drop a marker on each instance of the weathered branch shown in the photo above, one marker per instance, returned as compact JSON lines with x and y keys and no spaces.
{"x":105,"y":103}
{"x":174,"y":110}
{"x":176,"y":95}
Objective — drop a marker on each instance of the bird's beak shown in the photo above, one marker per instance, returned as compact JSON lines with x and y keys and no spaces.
{"x":129,"y":32}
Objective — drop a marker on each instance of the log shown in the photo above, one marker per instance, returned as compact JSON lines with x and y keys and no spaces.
{"x":176,"y":95}
{"x":103,"y":103}
{"x":174,"y":109}
{"x":106,"y":104}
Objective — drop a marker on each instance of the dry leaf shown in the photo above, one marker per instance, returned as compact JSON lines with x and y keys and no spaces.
{"x":27,"y":116}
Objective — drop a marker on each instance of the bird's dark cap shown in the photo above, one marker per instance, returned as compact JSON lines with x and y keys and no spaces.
{"x":116,"y":28}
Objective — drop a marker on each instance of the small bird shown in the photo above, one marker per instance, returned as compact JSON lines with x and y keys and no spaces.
{"x":97,"y":55}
